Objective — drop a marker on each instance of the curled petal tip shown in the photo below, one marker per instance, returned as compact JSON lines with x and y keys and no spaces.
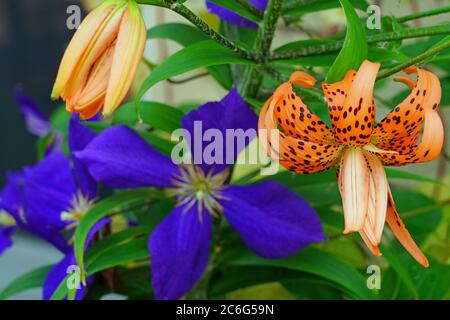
{"x":303,"y":79}
{"x":407,"y":81}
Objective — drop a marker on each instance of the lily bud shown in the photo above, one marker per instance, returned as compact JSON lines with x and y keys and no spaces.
{"x":100,"y":62}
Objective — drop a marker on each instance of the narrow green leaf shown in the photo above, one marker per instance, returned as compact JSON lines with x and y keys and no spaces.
{"x":311,"y":261}
{"x":99,"y":211}
{"x":355,"y":47}
{"x":119,"y":255}
{"x":186,"y":35}
{"x":29,"y":280}
{"x":113,"y":240}
{"x":402,"y":174}
{"x":156,"y":114}
{"x":181,"y":33}
{"x":199,"y":55}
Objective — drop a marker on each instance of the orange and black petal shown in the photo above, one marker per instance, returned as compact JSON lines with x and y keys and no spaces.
{"x":400,"y":130}
{"x":353,"y":124}
{"x":294,"y":117}
{"x":398,"y":227}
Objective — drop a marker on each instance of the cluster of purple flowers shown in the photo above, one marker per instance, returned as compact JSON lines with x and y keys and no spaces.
{"x":49,"y":198}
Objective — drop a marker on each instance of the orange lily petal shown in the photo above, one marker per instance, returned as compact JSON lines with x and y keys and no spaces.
{"x":306,"y":156}
{"x":294,"y":117}
{"x":398,"y":227}
{"x":372,"y":247}
{"x":127,"y":56}
{"x":378,"y":195}
{"x":400,"y":130}
{"x":429,"y":147}
{"x":354,"y":123}
{"x":354,"y":181}
{"x":335,"y":94}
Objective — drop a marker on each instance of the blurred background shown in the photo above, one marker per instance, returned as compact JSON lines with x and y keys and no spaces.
{"x":33,"y":36}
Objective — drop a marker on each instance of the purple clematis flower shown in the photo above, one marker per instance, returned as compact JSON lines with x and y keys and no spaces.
{"x":234,"y":18}
{"x":37,"y":122}
{"x":5,"y":237}
{"x":50,"y":197}
{"x":272,"y":220}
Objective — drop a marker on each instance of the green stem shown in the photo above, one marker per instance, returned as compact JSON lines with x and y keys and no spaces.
{"x":423,"y":14}
{"x":427,"y":54}
{"x":294,"y":4}
{"x":382,"y":37}
{"x":200,"y":24}
{"x":262,"y":46}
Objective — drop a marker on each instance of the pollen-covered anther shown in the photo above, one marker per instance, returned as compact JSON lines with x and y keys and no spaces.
{"x":80,"y":206}
{"x":194,"y":187}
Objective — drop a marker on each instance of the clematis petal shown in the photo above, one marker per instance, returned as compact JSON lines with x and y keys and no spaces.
{"x":128,"y":52}
{"x":354,"y":181}
{"x":400,"y":129}
{"x":230,"y":117}
{"x":179,"y":247}
{"x":272,"y":220}
{"x":354,"y":123}
{"x":79,"y":137}
{"x":60,"y":270}
{"x":5,"y":238}
{"x":229,"y":16}
{"x":35,"y":121}
{"x":79,"y":43}
{"x":120,"y":158}
{"x":398,"y":227}
{"x":12,"y":198}
{"x":47,"y":200}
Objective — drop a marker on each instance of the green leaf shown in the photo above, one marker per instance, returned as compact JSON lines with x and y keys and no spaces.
{"x":99,"y":211}
{"x":311,"y":261}
{"x":202,"y":54}
{"x":393,"y":173}
{"x":118,"y":255}
{"x":181,"y":33}
{"x":108,"y":243}
{"x":400,"y":269}
{"x":304,"y":7}
{"x":355,"y":48}
{"x":187,"y":35}
{"x":29,"y":280}
{"x":155,"y":114}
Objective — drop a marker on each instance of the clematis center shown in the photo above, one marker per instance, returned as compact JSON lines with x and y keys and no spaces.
{"x":80,"y":206}
{"x":195,"y":187}
{"x":5,"y":219}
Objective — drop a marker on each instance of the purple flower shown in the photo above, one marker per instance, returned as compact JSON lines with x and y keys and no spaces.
{"x":5,"y":237}
{"x":272,"y":220}
{"x":232,"y":17}
{"x":36,"y":122}
{"x":51,"y":196}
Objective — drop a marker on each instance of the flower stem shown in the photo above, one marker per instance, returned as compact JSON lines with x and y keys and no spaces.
{"x":423,"y":14}
{"x":382,"y":37}
{"x":427,"y":54}
{"x":262,"y":46}
{"x":200,"y":24}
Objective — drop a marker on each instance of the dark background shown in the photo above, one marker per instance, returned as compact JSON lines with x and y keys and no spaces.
{"x":33,"y":35}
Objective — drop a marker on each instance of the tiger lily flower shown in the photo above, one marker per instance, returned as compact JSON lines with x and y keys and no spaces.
{"x":100,"y":62}
{"x":413,"y":132}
